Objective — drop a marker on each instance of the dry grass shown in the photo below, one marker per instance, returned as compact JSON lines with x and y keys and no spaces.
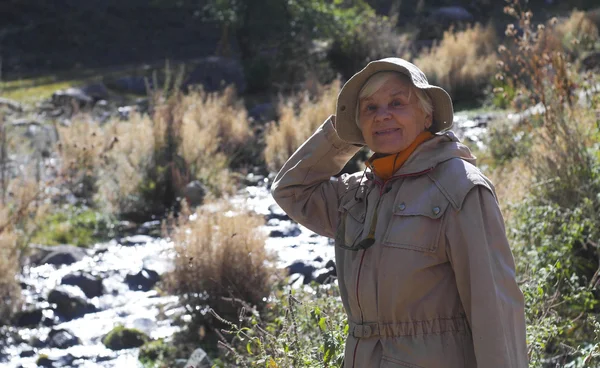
{"x":220,"y":255}
{"x":187,"y":137}
{"x":19,"y":215}
{"x":578,"y":32}
{"x":298,"y":119}
{"x":10,"y":290}
{"x":463,"y":62}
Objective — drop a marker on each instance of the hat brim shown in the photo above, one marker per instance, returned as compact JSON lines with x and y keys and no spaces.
{"x":346,"y":126}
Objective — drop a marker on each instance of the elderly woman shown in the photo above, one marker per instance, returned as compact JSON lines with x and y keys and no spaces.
{"x":425,"y":271}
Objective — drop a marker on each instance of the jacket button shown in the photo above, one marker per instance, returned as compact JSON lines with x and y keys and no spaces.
{"x":401,"y":206}
{"x":436,"y":210}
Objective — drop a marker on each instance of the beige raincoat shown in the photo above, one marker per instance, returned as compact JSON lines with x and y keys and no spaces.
{"x":437,"y":289}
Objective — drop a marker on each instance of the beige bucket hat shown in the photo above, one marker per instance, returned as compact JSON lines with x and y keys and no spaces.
{"x":345,"y":123}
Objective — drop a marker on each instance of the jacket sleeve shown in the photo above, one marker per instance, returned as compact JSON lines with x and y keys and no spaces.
{"x":485,"y":275}
{"x":304,"y":187}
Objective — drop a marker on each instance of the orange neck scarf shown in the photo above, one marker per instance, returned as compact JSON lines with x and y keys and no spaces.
{"x":386,"y":166}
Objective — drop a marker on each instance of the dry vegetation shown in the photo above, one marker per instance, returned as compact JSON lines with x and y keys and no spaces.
{"x":220,"y":260}
{"x":463,"y":62}
{"x":299,"y":118}
{"x":187,"y":137}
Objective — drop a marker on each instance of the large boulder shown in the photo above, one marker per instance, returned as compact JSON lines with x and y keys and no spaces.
{"x":68,"y":305}
{"x":29,"y":317}
{"x":124,"y":338}
{"x":451,"y":14}
{"x":56,"y":255}
{"x":90,"y":285}
{"x":215,"y":72}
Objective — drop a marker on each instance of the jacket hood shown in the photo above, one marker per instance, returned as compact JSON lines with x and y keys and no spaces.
{"x":442,"y":147}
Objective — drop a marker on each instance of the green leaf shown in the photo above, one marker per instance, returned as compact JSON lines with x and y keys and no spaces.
{"x":322,"y":324}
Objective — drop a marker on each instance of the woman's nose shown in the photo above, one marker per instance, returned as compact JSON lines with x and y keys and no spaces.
{"x":382,"y":114}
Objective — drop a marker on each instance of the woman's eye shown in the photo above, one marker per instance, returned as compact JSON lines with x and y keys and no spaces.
{"x":397,"y":103}
{"x":371,"y":107}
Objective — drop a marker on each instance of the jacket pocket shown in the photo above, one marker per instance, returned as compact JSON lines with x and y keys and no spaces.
{"x":352,"y":220}
{"x":388,"y":362}
{"x":416,"y":222}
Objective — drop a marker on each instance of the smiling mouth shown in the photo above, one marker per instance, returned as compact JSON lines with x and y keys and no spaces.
{"x":386,"y":131}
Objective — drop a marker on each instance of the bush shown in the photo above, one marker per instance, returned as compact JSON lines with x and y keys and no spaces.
{"x":220,"y":262}
{"x":301,"y":328}
{"x":463,"y":63}
{"x":299,"y":117}
{"x":141,"y":165}
{"x":70,"y":225}
{"x":10,"y":291}
{"x":554,"y":230}
{"x":374,"y":38}
{"x":157,"y":354}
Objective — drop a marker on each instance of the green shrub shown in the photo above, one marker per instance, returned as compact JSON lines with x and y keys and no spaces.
{"x":121,"y":337}
{"x":300,"y":328}
{"x":73,"y":225}
{"x":157,"y":354}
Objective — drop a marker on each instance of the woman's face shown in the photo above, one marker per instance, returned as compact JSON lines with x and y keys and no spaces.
{"x":390,"y":120}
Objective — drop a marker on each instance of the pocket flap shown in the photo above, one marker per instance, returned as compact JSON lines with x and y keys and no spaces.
{"x":355,"y":207}
{"x":430,"y":203}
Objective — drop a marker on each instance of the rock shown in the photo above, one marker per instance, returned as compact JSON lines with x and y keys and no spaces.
{"x":318,"y":259}
{"x":124,"y":338}
{"x":29,"y":318}
{"x":263,"y":113}
{"x":133,"y":240}
{"x":276,"y":212}
{"x":451,"y":14}
{"x":253,"y":180}
{"x":325,"y":276}
{"x":24,"y":122}
{"x":62,"y":339}
{"x":143,"y":280}
{"x":591,"y":61}
{"x":330,"y":264}
{"x":27,"y":353}
{"x":11,"y":105}
{"x":198,"y":359}
{"x":44,"y":361}
{"x":69,"y":306}
{"x":71,"y":97}
{"x":97,"y":91}
{"x":90,"y":285}
{"x":151,"y":228}
{"x":194,"y":193}
{"x":132,"y":84}
{"x":56,"y":255}
{"x":290,"y":230}
{"x":302,"y":268}
{"x":215,"y":72}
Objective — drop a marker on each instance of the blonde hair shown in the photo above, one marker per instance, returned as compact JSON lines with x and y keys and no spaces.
{"x":374,"y":83}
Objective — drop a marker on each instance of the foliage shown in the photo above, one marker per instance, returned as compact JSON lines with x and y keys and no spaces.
{"x":72,"y":225}
{"x":506,"y":141}
{"x":301,"y":328}
{"x":157,"y":354}
{"x":463,"y":62}
{"x":220,"y":259}
{"x":277,"y":38}
{"x":121,"y":337}
{"x":141,"y":166}
{"x":554,"y":229}
{"x":297,"y":122}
